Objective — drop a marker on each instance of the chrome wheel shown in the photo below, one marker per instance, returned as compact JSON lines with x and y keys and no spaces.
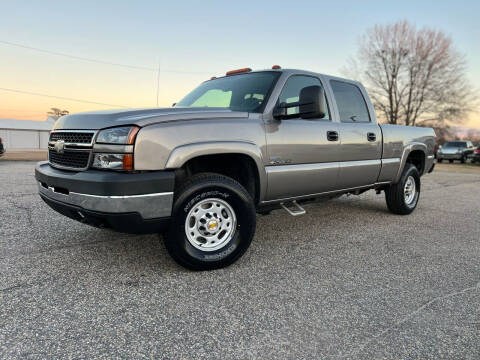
{"x":409,"y":191}
{"x":210,"y":224}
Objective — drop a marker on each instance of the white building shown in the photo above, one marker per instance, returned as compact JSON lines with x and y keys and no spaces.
{"x":18,"y":135}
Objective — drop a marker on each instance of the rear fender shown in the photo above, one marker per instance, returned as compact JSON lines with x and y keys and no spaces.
{"x":406,"y":152}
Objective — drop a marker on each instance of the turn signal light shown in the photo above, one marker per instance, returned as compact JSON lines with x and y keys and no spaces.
{"x":238,"y":71}
{"x":128,"y":162}
{"x":132,"y":134}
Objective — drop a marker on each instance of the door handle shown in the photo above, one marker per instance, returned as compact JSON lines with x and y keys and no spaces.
{"x":332,"y":136}
{"x":371,"y":136}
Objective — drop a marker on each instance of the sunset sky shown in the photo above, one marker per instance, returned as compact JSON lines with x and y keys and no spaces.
{"x":191,"y":41}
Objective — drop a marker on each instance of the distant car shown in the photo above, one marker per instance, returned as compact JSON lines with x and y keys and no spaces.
{"x":475,"y":156}
{"x":455,"y":150}
{"x":2,"y":148}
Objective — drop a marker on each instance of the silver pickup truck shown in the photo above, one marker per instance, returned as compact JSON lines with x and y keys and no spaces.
{"x":237,"y":145}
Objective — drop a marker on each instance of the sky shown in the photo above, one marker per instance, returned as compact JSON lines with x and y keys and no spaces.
{"x":190,"y":41}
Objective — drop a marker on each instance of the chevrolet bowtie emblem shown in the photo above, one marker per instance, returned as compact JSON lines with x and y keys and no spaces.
{"x":59,"y":146}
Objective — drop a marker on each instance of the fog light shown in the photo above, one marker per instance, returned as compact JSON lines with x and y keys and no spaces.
{"x":113,"y":161}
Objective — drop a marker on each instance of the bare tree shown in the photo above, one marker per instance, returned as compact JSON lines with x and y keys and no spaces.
{"x":56,"y":112}
{"x":413,"y":76}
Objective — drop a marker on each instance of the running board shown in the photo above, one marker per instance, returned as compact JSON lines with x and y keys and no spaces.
{"x":297,"y":212}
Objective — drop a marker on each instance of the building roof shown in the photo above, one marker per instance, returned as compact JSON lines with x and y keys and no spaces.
{"x":14,"y":124}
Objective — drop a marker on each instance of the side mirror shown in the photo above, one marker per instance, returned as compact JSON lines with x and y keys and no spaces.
{"x":311,"y":104}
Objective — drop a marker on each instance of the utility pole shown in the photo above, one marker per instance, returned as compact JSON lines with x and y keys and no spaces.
{"x":158,"y":81}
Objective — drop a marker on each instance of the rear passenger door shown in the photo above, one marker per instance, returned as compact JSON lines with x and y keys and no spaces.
{"x":360,"y":147}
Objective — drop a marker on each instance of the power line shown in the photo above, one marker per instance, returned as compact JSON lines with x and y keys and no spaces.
{"x":59,"y":97}
{"x":76,"y":57}
{"x":98,"y":60}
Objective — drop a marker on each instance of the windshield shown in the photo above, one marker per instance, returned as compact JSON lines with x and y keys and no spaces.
{"x":244,"y":92}
{"x":455,"y":144}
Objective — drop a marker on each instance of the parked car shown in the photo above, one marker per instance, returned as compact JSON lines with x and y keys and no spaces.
{"x":475,"y":156}
{"x":455,"y":150}
{"x":2,"y":147}
{"x":247,"y":142}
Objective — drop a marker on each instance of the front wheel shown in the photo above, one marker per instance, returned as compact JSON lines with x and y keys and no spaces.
{"x":439,"y":161}
{"x":402,"y":198}
{"x":213,"y":222}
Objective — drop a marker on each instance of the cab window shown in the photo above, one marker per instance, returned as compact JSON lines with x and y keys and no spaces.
{"x":291,"y":92}
{"x":350,"y":102}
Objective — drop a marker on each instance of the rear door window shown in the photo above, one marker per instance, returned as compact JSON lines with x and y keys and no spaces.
{"x":350,"y":102}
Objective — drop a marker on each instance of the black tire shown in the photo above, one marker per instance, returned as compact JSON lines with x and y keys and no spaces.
{"x":450,"y":161}
{"x":439,"y":161}
{"x":462,"y":160}
{"x":210,"y":186}
{"x":394,"y":194}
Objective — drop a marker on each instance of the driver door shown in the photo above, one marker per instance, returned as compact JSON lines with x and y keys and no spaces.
{"x":302,"y":153}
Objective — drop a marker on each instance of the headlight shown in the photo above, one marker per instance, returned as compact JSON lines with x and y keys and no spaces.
{"x":113,"y":161}
{"x":118,"y":135}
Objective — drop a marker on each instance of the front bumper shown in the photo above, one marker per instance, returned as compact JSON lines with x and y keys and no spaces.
{"x":136,"y":203}
{"x":449,"y":156}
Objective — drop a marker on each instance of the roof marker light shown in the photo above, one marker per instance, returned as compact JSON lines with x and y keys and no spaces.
{"x":213,"y":78}
{"x":276,"y":67}
{"x":238,"y":71}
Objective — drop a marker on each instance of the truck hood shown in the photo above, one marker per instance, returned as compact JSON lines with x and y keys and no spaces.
{"x":142,"y":117}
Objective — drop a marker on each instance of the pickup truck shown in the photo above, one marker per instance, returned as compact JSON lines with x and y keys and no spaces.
{"x":455,"y":150}
{"x":241,"y":144}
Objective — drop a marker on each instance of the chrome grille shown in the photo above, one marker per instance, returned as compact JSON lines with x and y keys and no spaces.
{"x":73,"y":137}
{"x":71,"y":149}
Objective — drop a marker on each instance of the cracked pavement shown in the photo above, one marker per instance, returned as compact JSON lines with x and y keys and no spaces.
{"x":348,"y":280}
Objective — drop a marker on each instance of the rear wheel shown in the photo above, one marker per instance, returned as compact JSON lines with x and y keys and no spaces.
{"x":213,"y":222}
{"x":450,"y":161}
{"x":462,"y":160}
{"x":439,"y":161}
{"x":402,"y":198}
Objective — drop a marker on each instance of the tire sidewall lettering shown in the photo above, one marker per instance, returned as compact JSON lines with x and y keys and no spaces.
{"x":207,"y":194}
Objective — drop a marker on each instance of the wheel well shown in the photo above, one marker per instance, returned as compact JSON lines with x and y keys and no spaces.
{"x":417,"y":158}
{"x":239,"y":167}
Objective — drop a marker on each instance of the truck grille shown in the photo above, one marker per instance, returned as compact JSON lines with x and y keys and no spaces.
{"x":73,"y":137}
{"x":70,"y":159}
{"x":71,"y":150}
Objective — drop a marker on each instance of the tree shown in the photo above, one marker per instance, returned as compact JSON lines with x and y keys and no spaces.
{"x":56,"y":112}
{"x":413,"y":76}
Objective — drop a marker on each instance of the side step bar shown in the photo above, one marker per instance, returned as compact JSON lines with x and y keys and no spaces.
{"x":296,"y":212}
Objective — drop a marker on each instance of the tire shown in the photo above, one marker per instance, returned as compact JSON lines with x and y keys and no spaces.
{"x":450,"y":161}
{"x":439,"y":161}
{"x":395,"y":194}
{"x":199,"y":247}
{"x":462,"y":160}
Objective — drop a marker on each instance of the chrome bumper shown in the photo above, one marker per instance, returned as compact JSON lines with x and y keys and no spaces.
{"x":450,"y":156}
{"x":149,"y":206}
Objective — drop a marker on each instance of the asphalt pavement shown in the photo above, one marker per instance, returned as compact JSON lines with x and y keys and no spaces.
{"x":346,"y":280}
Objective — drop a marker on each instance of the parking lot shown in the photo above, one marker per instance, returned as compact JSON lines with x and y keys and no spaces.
{"x":346,"y":280}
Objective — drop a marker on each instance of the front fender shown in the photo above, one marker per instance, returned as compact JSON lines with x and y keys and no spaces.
{"x":181,"y":154}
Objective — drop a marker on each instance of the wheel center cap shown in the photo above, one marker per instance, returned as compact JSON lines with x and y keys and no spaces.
{"x":212,"y":225}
